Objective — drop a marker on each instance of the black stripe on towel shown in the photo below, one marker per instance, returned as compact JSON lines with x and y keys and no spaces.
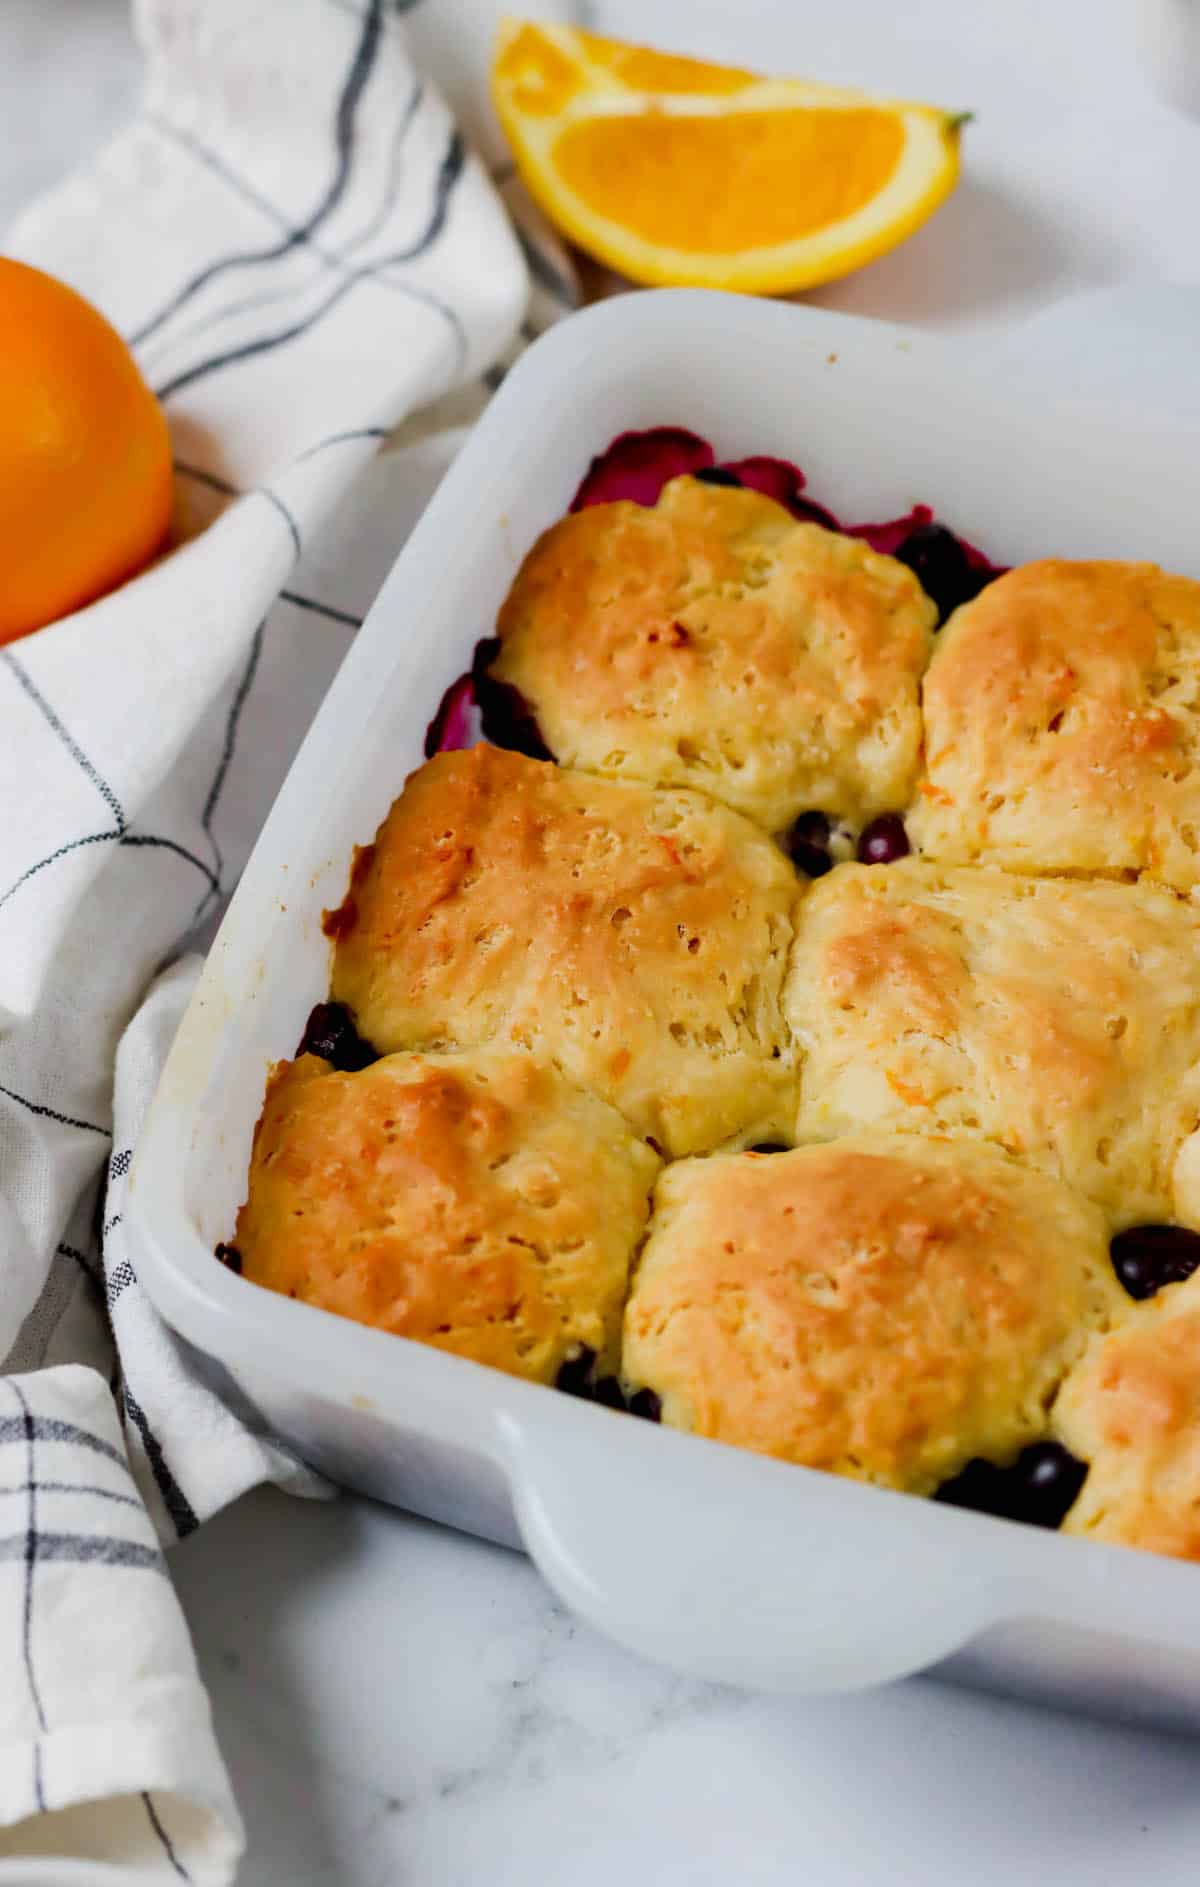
{"x":52,"y":858}
{"x":228,"y":746}
{"x":165,"y":1839}
{"x":26,"y":683}
{"x":51,"y":1428}
{"x":175,"y":1500}
{"x":80,"y":1549}
{"x":52,"y":1113}
{"x":448,"y":174}
{"x":320,"y":609}
{"x":27,"y":1423}
{"x":344,"y":139}
{"x":76,"y":1487}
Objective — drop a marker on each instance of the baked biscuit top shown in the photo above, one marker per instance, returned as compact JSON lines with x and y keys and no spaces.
{"x":480,"y":1203}
{"x":881,"y":1307}
{"x":1061,"y":725}
{"x":1057,"y":1018}
{"x":636,"y":938}
{"x":643,"y":951}
{"x":712,"y":641}
{"x":1132,"y":1411}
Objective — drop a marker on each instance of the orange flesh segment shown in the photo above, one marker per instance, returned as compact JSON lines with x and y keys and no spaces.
{"x":542,"y":78}
{"x":741,"y":181}
{"x":643,"y":69}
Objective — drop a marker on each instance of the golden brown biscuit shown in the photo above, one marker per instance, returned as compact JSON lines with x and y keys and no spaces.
{"x":635,"y":938}
{"x":1058,"y":1018}
{"x":881,"y":1307}
{"x":1132,"y":1410}
{"x":1062,"y":725}
{"x":712,"y":641}
{"x":479,"y":1203}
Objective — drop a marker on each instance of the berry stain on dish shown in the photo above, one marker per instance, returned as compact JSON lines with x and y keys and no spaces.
{"x":1148,"y":1257}
{"x":635,"y":467}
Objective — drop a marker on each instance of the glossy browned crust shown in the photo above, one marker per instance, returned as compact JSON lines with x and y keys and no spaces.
{"x":712,"y":641}
{"x":479,"y":1203}
{"x":880,"y":1307}
{"x":1132,"y":1410}
{"x":636,"y":938}
{"x":1059,"y":1019}
{"x":1061,"y":724}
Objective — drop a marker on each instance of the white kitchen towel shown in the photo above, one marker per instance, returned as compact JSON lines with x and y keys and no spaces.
{"x":104,"y":1717}
{"x":296,"y":238}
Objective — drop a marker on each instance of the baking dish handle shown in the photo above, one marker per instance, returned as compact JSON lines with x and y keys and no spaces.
{"x":739,"y":1569}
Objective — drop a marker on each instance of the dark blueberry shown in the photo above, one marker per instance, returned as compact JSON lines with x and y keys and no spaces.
{"x":1039,"y":1488}
{"x":646,"y":1405}
{"x":980,"y":1485}
{"x":1050,"y":1482}
{"x":330,"y":1033}
{"x":230,"y":1257}
{"x":607,"y":1392}
{"x":806,"y":843}
{"x":717,"y":475}
{"x":505,"y":716}
{"x":883,"y":840}
{"x":769,"y":1146}
{"x":1148,"y":1256}
{"x":575,"y":1375}
{"x":940,"y":563}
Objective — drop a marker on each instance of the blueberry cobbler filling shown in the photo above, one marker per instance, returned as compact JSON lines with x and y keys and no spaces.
{"x":950,"y":571}
{"x":1147,"y":1257}
{"x":1042,"y":1484}
{"x":635,"y":467}
{"x":330,"y":1033}
{"x":505,"y":716}
{"x":814,"y":842}
{"x":1040,"y":1487}
{"x":883,"y":841}
{"x":718,"y":475}
{"x":806,"y":843}
{"x":577,"y":1377}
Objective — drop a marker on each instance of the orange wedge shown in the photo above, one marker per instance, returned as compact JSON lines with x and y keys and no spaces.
{"x":676,"y":172}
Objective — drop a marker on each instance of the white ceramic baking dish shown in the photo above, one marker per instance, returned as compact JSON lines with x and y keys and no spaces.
{"x":719,"y":1562}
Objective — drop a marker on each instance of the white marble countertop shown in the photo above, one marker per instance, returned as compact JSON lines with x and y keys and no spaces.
{"x":402,"y":1705}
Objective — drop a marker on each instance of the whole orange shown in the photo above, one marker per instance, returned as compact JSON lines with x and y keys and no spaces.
{"x":85,"y":462}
